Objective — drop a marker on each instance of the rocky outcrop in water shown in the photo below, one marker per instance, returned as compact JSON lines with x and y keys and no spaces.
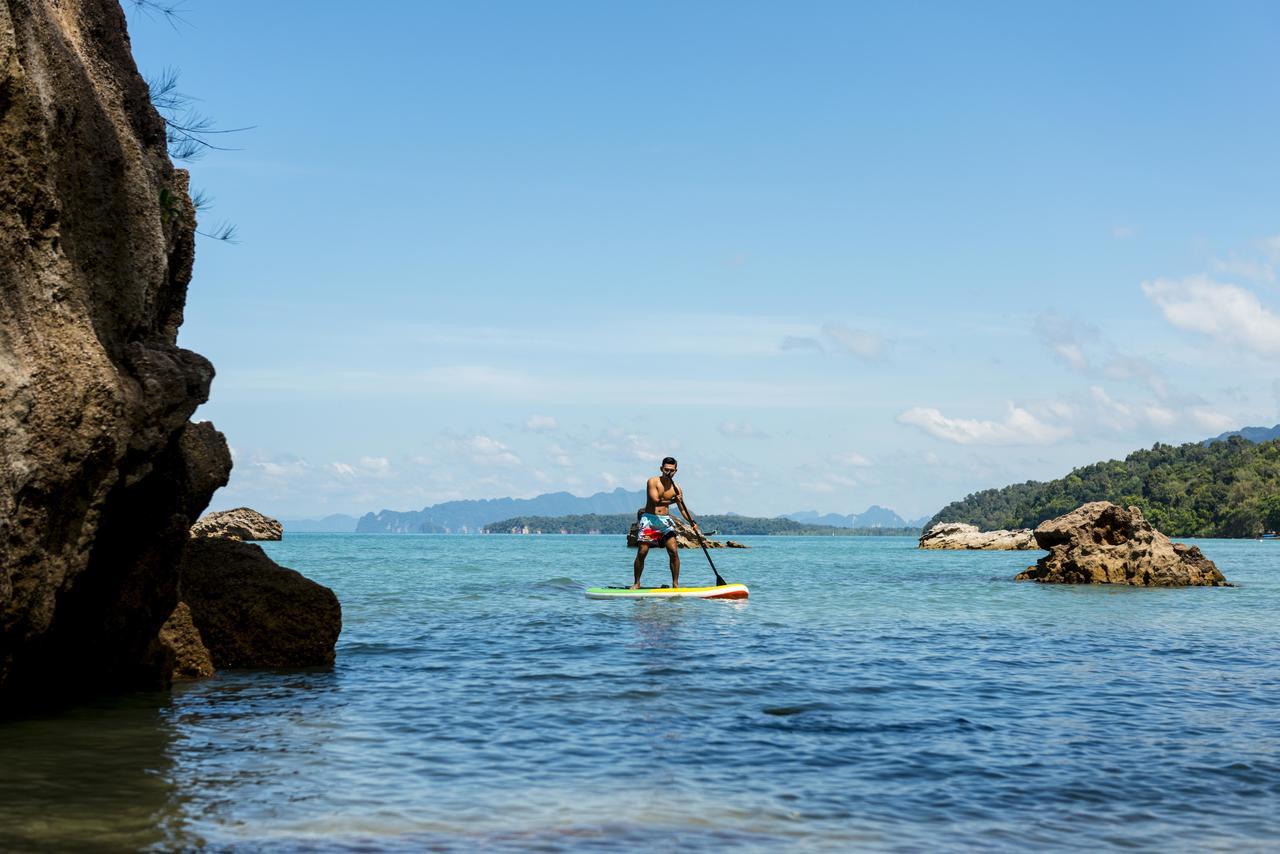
{"x":241,"y":523}
{"x":1101,"y":543}
{"x":252,"y":612}
{"x":102,"y":472}
{"x":685,"y":537}
{"x":958,"y":535}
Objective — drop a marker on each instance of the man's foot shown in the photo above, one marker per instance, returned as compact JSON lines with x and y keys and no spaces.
{"x":636,"y":586}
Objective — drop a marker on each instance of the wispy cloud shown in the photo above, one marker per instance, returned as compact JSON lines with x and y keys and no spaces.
{"x":485,"y":450}
{"x":1019,"y":427}
{"x":540,"y":423}
{"x":1081,"y":347}
{"x":801,"y":343}
{"x":1229,"y":314}
{"x":741,"y":430}
{"x":858,"y":343}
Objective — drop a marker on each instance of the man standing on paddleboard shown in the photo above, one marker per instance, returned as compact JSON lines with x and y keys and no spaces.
{"x":656,"y":527}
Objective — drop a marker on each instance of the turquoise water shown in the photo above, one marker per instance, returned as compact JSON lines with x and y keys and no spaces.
{"x":868,"y":696}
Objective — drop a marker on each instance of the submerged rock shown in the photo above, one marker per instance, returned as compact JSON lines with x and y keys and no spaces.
{"x":958,"y":535}
{"x":1101,"y":543}
{"x":241,"y":523}
{"x":102,"y":474}
{"x":251,"y":612}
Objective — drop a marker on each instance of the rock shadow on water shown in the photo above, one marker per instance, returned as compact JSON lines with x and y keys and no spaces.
{"x":98,"y":777}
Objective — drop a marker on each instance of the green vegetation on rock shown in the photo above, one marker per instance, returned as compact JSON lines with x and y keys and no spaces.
{"x":1225,"y":489}
{"x":618,"y":523}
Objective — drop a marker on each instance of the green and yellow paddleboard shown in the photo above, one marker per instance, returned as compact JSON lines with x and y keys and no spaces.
{"x":721,"y":591}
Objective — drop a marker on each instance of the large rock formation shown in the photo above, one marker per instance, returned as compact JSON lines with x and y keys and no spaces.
{"x":102,"y":474}
{"x":241,"y":523}
{"x":252,"y":612}
{"x":1100,"y":543}
{"x":958,"y":535}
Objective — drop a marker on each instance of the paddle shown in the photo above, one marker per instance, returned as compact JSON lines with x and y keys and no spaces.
{"x":701,"y":540}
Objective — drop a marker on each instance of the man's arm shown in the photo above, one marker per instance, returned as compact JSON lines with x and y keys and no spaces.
{"x":684,"y":511}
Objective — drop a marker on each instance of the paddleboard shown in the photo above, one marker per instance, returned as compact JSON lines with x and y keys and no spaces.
{"x":722,"y":591}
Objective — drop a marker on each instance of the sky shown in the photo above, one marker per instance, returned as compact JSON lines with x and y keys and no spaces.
{"x":826,"y":254}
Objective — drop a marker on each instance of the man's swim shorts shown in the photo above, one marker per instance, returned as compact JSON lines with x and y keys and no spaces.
{"x":654,"y":529}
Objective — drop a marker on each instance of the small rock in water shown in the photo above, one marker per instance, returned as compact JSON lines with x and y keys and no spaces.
{"x":958,"y":535}
{"x":1101,"y":543}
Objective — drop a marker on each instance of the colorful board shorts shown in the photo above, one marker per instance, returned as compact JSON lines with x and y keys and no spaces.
{"x":655,"y":530}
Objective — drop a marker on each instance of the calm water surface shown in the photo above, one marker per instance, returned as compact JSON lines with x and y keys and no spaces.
{"x":868,"y":696}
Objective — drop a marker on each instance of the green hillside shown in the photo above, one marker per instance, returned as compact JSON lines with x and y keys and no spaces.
{"x":727,"y":525}
{"x":1226,"y":489}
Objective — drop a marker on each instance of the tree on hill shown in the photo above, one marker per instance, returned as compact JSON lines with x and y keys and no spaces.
{"x":1224,"y":489}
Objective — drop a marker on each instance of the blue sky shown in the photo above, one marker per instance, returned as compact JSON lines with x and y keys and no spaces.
{"x":828,"y":254}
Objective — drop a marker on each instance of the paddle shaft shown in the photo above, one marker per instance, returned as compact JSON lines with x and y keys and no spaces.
{"x":701,"y":539}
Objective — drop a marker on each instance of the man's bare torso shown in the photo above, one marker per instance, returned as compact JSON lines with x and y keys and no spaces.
{"x":662,"y":494}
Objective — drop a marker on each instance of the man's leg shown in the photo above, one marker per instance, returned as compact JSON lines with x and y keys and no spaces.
{"x":641,"y":550}
{"x":673,"y":553}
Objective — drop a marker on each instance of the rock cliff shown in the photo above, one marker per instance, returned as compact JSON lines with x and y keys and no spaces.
{"x":102,"y":474}
{"x":1101,"y":543}
{"x":958,"y":535}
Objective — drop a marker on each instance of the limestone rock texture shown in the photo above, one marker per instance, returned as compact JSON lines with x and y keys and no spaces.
{"x":1102,"y":543}
{"x":251,"y":612}
{"x":685,"y":537}
{"x":191,"y":659}
{"x":241,"y":523}
{"x":958,"y":535}
{"x":101,"y":471}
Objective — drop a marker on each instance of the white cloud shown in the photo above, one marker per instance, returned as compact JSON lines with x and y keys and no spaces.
{"x":1213,"y":422}
{"x":856,"y":342}
{"x":1258,"y":271}
{"x":1070,"y":353}
{"x":1019,"y":427}
{"x":285,"y":469}
{"x":343,"y":469}
{"x":376,"y":465}
{"x":559,"y":455}
{"x":852,"y":458}
{"x":485,"y":450}
{"x":1227,"y":313}
{"x":1123,"y":232}
{"x":742,"y":430}
{"x":540,"y":423}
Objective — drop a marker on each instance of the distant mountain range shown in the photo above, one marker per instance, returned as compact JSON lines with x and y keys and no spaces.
{"x":471,"y":516}
{"x":874,"y":516}
{"x":453,"y":517}
{"x":1257,"y":435}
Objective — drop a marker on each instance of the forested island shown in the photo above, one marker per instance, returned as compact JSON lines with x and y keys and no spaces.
{"x":1227,"y":488}
{"x":618,"y":523}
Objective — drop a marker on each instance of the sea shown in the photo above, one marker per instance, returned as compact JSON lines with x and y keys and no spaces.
{"x":867,"y":697}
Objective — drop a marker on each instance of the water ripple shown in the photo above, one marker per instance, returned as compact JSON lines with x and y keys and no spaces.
{"x":480,"y":702}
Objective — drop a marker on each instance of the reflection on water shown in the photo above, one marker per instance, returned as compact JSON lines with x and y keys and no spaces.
{"x":100,"y":775}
